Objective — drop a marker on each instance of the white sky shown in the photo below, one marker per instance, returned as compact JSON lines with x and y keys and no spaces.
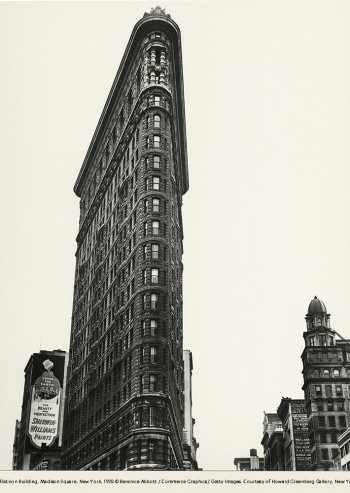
{"x":266,"y":217}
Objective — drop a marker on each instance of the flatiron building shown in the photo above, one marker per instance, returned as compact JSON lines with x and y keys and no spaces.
{"x":124,"y":400}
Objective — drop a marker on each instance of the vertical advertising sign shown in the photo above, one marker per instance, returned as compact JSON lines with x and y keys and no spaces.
{"x":46,"y":395}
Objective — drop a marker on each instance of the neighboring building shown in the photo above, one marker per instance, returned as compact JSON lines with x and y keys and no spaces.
{"x":40,"y":428}
{"x":292,"y":413}
{"x":344,"y":451}
{"x":15,"y":445}
{"x":273,"y":442}
{"x":326,"y":371}
{"x":251,"y":463}
{"x":125,"y":402}
{"x":189,"y":441}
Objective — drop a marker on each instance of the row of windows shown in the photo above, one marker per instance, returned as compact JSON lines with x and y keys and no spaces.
{"x":154,"y":229}
{"x":152,"y":383}
{"x":155,"y":161}
{"x":154,"y":276}
{"x":154,"y":183}
{"x":330,"y":405}
{"x":154,"y":250}
{"x":152,"y":327}
{"x":325,"y":437}
{"x":331,"y":421}
{"x":325,"y":373}
{"x":151,"y":300}
{"x":154,"y":120}
{"x":156,"y":141}
{"x":329,"y":390}
{"x":152,"y":355}
{"x":321,"y":340}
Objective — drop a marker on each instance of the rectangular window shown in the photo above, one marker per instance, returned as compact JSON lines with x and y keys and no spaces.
{"x":339,"y":390}
{"x":144,"y":276}
{"x":321,"y":421}
{"x":154,"y":327}
{"x":334,"y":437}
{"x":154,"y":300}
{"x":318,"y":390}
{"x":340,"y":406}
{"x":153,"y":354}
{"x":156,"y":141}
{"x":153,"y":383}
{"x":322,"y":340}
{"x":331,"y":421}
{"x":155,"y":276}
{"x":152,"y":416}
{"x":328,"y":390}
{"x":342,"y":421}
{"x":156,"y":100}
{"x":155,"y":227}
{"x":156,"y":161}
{"x":155,"y":205}
{"x":155,"y":250}
{"x":155,"y":182}
{"x":330,"y":406}
{"x":324,"y":452}
{"x":156,"y":121}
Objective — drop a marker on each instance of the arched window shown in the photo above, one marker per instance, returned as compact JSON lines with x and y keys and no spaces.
{"x":336,"y":373}
{"x":326,"y":373}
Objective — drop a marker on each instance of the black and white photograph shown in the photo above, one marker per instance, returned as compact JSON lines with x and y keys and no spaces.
{"x":175,"y":254}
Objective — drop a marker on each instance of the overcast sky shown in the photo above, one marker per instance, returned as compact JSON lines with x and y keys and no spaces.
{"x":266,"y":217}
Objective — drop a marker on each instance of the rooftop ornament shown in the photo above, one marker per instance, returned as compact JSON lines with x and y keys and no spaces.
{"x":157,"y":11}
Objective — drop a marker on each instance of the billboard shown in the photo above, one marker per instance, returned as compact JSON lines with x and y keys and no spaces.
{"x":46,"y":400}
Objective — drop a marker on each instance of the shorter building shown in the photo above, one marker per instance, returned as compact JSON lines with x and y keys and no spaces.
{"x":190,"y":444}
{"x":251,"y":463}
{"x":297,"y":456}
{"x":38,"y":440}
{"x":344,"y":447}
{"x":273,"y":442}
{"x":326,"y":372}
{"x":15,"y":445}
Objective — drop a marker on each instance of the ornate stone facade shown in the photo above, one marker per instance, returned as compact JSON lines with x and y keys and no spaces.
{"x":124,"y":405}
{"x":326,"y":371}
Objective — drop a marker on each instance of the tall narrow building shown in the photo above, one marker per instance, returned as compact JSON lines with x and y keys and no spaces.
{"x":38,"y":435}
{"x":296,"y":442}
{"x":326,"y":371}
{"x":125,"y":406}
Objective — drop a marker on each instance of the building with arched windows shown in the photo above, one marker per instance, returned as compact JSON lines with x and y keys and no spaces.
{"x":125,"y":389}
{"x":326,"y":371}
